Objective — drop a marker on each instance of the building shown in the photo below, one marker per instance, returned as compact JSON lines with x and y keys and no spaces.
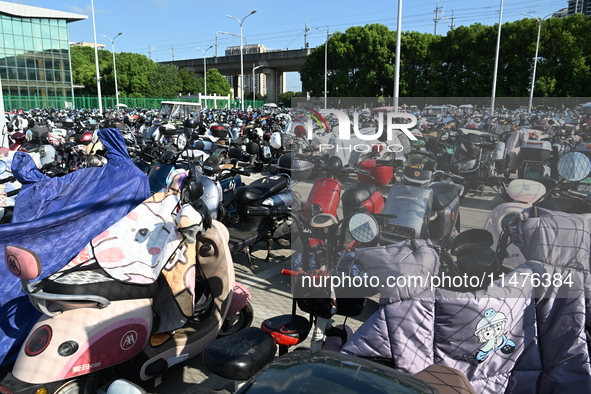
{"x":254,"y":48}
{"x":579,"y":7}
{"x":35,"y":52}
{"x":258,"y":84}
{"x":87,"y":44}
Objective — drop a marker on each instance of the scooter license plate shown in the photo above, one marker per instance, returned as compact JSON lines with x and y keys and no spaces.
{"x":266,"y":152}
{"x":584,"y":188}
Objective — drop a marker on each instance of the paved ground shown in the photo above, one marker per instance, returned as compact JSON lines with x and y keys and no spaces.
{"x":271,"y":296}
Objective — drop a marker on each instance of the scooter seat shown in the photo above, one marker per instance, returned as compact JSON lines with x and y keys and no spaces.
{"x":356,"y":194}
{"x":247,"y":233}
{"x":443,"y":194}
{"x":239,"y":356}
{"x":287,"y":330}
{"x":95,"y":281}
{"x":261,"y":189}
{"x":549,"y":183}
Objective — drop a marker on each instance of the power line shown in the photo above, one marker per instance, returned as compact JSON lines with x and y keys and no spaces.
{"x":418,"y":20}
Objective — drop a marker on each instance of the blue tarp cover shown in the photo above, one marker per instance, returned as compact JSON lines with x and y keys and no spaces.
{"x":57,"y":217}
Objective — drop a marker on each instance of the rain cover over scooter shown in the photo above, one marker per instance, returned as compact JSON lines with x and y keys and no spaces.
{"x":57,"y":217}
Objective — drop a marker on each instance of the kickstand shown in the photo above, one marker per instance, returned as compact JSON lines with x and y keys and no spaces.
{"x":269,"y":247}
{"x":248,"y":256}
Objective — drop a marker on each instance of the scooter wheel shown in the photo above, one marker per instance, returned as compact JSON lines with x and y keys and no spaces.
{"x":76,"y":385}
{"x":238,"y":321}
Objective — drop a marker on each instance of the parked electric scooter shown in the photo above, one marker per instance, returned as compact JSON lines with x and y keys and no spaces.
{"x":535,"y":159}
{"x":252,"y":349}
{"x":136,"y":314}
{"x":425,"y":207}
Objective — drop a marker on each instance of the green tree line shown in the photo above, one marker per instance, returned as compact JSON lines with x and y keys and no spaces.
{"x":460,"y":64}
{"x":138,"y":76}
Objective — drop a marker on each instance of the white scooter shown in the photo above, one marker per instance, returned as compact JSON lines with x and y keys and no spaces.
{"x":148,"y":293}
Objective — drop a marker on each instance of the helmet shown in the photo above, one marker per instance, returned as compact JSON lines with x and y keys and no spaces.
{"x":68,"y":123}
{"x":334,"y":165}
{"x":211,"y":166}
{"x":191,"y":123}
{"x":252,"y":148}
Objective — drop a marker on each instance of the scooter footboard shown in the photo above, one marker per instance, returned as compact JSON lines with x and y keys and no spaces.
{"x":86,"y":340}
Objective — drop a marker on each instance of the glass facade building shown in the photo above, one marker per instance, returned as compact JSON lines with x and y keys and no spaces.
{"x":34,"y":52}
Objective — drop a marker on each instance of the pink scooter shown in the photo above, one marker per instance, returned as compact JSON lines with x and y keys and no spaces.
{"x":93,"y":323}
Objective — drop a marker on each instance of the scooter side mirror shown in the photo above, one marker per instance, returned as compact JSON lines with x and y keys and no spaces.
{"x":574,"y":166}
{"x":191,"y":190}
{"x":300,"y":131}
{"x":363,"y":227}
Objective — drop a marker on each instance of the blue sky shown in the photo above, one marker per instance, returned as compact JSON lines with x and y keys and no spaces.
{"x":180,"y":26}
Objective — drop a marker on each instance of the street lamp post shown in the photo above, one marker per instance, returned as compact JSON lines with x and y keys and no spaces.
{"x":396,"y":93}
{"x":325,"y":65}
{"x":253,"y":84}
{"x":533,"y":78}
{"x":205,"y":72}
{"x":96,"y":62}
{"x":115,"y":69}
{"x":494,"y":89}
{"x":241,"y":58}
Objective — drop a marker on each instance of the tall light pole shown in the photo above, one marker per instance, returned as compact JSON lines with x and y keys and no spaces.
{"x":115,"y":69}
{"x":205,"y":72}
{"x":397,"y":60}
{"x":494,"y":89}
{"x":241,"y":58}
{"x":253,"y":85}
{"x":325,"y":65}
{"x":96,"y":62}
{"x":533,"y":78}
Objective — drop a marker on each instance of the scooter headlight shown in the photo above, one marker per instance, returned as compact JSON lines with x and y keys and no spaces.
{"x":313,"y":210}
{"x":67,"y":348}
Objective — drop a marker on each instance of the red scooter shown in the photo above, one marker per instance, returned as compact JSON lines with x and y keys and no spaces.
{"x":327,"y":191}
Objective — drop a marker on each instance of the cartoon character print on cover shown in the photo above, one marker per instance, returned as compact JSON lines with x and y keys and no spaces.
{"x":146,"y":243}
{"x":136,"y":248}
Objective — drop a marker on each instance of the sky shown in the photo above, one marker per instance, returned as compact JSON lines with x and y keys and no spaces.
{"x":162,"y":29}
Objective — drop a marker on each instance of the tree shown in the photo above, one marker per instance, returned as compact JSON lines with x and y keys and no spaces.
{"x":191,"y":84}
{"x":84,"y":67}
{"x":285,"y":98}
{"x":359,"y":63}
{"x":165,"y":81}
{"x":217,"y":83}
{"x":133,"y":71}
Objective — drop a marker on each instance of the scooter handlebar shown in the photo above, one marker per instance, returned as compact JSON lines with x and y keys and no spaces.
{"x":576,"y":194}
{"x":449,"y":174}
{"x":13,"y":193}
{"x":290,"y":273}
{"x":7,"y":180}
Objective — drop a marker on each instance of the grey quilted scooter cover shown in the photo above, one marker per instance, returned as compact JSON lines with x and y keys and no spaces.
{"x":512,"y":336}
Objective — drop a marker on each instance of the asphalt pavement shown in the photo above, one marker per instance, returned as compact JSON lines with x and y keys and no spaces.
{"x":271,"y":295}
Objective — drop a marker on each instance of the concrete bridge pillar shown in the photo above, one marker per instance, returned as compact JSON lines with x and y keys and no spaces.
{"x":236,"y":86}
{"x":271,"y":74}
